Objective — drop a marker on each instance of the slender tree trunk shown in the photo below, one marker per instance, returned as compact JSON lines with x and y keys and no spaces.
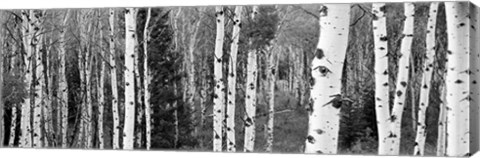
{"x":88,"y":78}
{"x":219,"y":97}
{"x":271,"y":72}
{"x":419,"y":149}
{"x":63,"y":86}
{"x":327,"y":67}
{"x":402,"y":82}
{"x":175,"y":115}
{"x":25,"y":125}
{"x":381,"y":75}
{"x":442,"y":121}
{"x":458,"y":24}
{"x":81,"y":68}
{"x":232,"y":81}
{"x":146,"y":81}
{"x":13,"y":71}
{"x":191,"y":90}
{"x":113,"y":83}
{"x":39,"y":83}
{"x":130,"y":29}
{"x":251,"y":95}
{"x":100,"y":88}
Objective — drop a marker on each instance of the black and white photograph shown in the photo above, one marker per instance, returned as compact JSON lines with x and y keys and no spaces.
{"x":381,"y":78}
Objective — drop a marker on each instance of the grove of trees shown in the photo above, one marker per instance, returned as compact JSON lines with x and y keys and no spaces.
{"x":360,"y":78}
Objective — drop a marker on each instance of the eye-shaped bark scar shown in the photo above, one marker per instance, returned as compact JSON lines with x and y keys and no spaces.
{"x":323,"y":70}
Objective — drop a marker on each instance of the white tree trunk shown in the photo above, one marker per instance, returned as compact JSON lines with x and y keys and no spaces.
{"x":63,"y":86}
{"x":39,"y":83}
{"x":251,"y":95}
{"x":219,"y":96}
{"x":13,"y":126}
{"x":146,"y":81}
{"x":395,"y":118}
{"x":100,"y":88}
{"x":327,"y":67}
{"x":130,"y":30}
{"x":442,"y":121}
{"x":271,"y":72}
{"x":382,"y":109}
{"x":113,"y":82}
{"x":420,"y":138}
{"x":457,"y":80}
{"x":25,"y":125}
{"x":232,"y":80}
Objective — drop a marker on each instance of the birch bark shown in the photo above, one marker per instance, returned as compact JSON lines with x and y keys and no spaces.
{"x":419,"y":149}
{"x":327,"y":67}
{"x":232,"y":81}
{"x":457,"y":79}
{"x":130,"y":29}
{"x":219,"y":96}
{"x":251,"y":94}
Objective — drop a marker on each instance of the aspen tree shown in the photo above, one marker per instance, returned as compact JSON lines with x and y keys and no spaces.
{"x":457,"y":84}
{"x":38,"y":80}
{"x":139,"y":95}
{"x":327,"y":67}
{"x":63,"y":86}
{"x":101,"y":86}
{"x":191,"y":90}
{"x":113,"y":82}
{"x":426,"y":80}
{"x":232,"y":80}
{"x":146,"y":81}
{"x":81,"y":68}
{"x":272,"y":63}
{"x":219,"y":94}
{"x":381,"y":75}
{"x":25,"y":125}
{"x":130,"y":29}
{"x":251,"y":96}
{"x":402,"y":81}
{"x":442,"y":118}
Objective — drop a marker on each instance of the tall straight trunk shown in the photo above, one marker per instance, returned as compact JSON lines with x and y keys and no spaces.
{"x":39,"y":83}
{"x":13,"y":122}
{"x":381,"y":75}
{"x":271,"y":72}
{"x":395,"y":118}
{"x":442,"y":121}
{"x":63,"y":86}
{"x":47,"y":108}
{"x":113,"y":82}
{"x":191,"y":90}
{"x":81,"y":69}
{"x":457,"y":80}
{"x":420,"y":138}
{"x":130,"y":29}
{"x":100,"y":88}
{"x":88,"y":85}
{"x":219,"y":96}
{"x":25,"y":125}
{"x":251,"y":95}
{"x":146,"y":82}
{"x":232,"y":81}
{"x":327,"y":67}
